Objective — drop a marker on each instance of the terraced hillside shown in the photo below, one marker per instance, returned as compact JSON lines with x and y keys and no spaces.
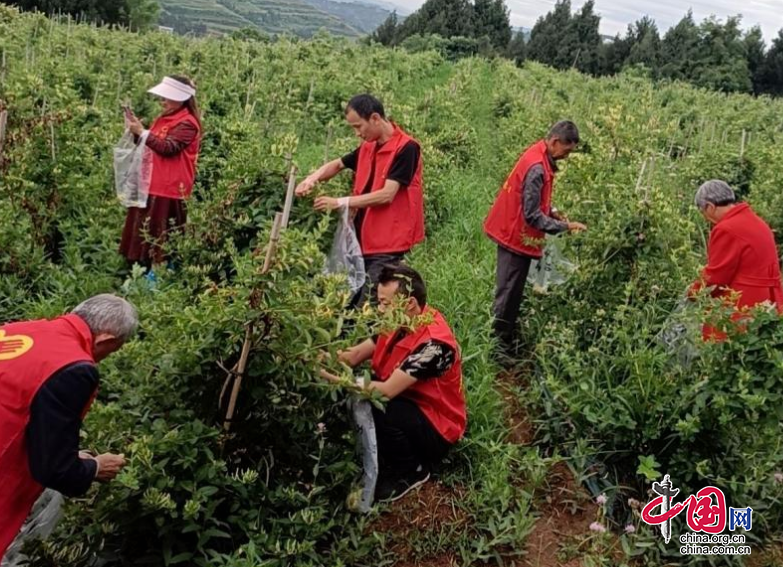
{"x":299,"y":17}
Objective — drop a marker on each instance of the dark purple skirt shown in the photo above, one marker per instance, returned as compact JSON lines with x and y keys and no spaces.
{"x":146,"y":229}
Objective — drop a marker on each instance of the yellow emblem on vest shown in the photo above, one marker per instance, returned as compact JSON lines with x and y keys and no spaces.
{"x":14,"y":346}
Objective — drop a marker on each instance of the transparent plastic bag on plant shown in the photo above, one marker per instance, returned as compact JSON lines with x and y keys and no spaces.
{"x":552,"y":269}
{"x":346,"y":254}
{"x":43,"y":518}
{"x":361,"y":500}
{"x":132,"y":170}
{"x":681,"y":333}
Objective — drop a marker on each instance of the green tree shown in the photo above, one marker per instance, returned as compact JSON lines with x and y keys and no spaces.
{"x":723,"y":65}
{"x":770,"y":76}
{"x":490,"y":19}
{"x":142,"y":14}
{"x":447,"y":18}
{"x":517,"y":49}
{"x":755,"y":53}
{"x":680,"y":50}
{"x":645,"y":48}
{"x":583,"y":41}
{"x":551,"y":35}
{"x":386,"y":33}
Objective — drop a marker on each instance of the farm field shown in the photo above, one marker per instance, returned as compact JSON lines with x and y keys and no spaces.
{"x":598,"y":405}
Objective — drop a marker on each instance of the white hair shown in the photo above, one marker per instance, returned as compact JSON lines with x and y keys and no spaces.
{"x":110,"y":314}
{"x":715,"y":192}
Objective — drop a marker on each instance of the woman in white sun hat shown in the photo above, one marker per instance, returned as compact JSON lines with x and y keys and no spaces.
{"x":174,"y":139}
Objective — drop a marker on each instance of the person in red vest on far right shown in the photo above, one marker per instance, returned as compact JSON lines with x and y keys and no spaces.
{"x":387,"y":199}
{"x":742,"y":260}
{"x":519,"y":220}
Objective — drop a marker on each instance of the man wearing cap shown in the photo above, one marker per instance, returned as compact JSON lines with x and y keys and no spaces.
{"x":742,"y":260}
{"x":518,"y":222}
{"x":174,"y":143}
{"x":387,"y":189}
{"x":48,"y":382}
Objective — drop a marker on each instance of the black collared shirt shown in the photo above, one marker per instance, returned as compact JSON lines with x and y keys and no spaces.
{"x":52,"y":434}
{"x":532,"y":187}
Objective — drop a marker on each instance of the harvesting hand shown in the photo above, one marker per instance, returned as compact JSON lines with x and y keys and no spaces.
{"x":576,"y":227}
{"x":306,"y":186}
{"x":109,"y":465}
{"x":134,"y":125}
{"x":326,"y":203}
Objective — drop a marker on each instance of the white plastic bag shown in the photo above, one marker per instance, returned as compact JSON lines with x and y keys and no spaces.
{"x":346,"y":254}
{"x":132,"y":170}
{"x":680,"y":335}
{"x":552,"y":269}
{"x":361,"y":500}
{"x":41,"y":522}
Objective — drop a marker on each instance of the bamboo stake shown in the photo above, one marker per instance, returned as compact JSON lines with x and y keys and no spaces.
{"x":274,"y":238}
{"x":241,"y":366}
{"x":742,"y":143}
{"x":328,"y":142}
{"x":3,"y":124}
{"x":641,"y":176}
{"x":289,"y":196}
{"x":51,"y":133}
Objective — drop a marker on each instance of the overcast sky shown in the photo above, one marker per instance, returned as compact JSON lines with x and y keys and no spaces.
{"x":617,"y":14}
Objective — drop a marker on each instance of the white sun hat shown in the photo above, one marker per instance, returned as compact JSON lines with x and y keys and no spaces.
{"x":173,"y":89}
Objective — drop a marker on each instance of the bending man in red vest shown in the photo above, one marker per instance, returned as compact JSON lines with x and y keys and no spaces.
{"x":419,"y":368}
{"x":742,"y":260}
{"x":519,"y":220}
{"x":387,"y":189}
{"x":48,"y":381}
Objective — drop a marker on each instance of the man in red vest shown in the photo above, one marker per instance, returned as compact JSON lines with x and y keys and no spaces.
{"x":418,"y":367}
{"x":742,"y":259}
{"x":519,"y":220}
{"x":48,"y":381}
{"x":387,"y":194}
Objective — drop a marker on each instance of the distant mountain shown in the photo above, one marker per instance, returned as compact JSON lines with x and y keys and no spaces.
{"x":363,"y":16}
{"x":299,"y":17}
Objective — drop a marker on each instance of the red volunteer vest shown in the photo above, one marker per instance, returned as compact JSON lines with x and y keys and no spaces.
{"x":742,"y":259}
{"x":441,"y":399}
{"x":505,"y":223}
{"x":398,"y":226}
{"x":173,"y":177}
{"x":30,"y":352}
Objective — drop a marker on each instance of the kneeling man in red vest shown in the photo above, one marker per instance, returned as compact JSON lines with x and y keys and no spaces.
{"x":387,"y":199}
{"x":418,"y":368}
{"x":48,"y":382}
{"x":742,"y":260}
{"x":518,"y":222}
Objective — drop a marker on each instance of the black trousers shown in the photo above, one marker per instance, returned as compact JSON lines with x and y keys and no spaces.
{"x":373,"y":265}
{"x":406,"y":439}
{"x":511,"y":275}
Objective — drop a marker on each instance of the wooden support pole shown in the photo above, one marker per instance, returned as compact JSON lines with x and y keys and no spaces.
{"x":742,"y":143}
{"x":3,"y":125}
{"x":241,"y":366}
{"x":289,"y":196}
{"x":239,"y":369}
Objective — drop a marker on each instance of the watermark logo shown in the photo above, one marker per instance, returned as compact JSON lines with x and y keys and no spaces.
{"x":706,"y":513}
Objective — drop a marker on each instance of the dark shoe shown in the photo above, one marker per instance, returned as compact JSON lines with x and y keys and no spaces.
{"x":392,"y":489}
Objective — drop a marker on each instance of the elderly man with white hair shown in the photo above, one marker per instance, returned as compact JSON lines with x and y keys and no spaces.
{"x":742,"y":260}
{"x":48,"y":382}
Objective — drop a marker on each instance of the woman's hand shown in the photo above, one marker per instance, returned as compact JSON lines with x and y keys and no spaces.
{"x":134,"y":125}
